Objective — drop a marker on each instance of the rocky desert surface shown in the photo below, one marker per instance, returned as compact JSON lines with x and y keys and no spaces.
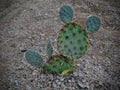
{"x":27,"y":24}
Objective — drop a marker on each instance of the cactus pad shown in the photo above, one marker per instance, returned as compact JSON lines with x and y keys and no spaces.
{"x":72,"y":41}
{"x":92,"y":24}
{"x":34,"y":58}
{"x":57,"y":64}
{"x":49,"y":48}
{"x":66,"y":14}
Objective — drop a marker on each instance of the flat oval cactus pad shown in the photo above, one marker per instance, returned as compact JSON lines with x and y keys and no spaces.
{"x":57,"y":64}
{"x":92,"y":24}
{"x":66,"y":14}
{"x":72,"y":41}
{"x":34,"y":58}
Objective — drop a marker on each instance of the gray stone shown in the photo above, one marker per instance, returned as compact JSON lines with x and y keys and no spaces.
{"x":28,"y":87}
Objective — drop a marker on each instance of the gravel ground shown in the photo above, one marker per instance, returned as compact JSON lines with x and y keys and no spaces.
{"x":27,"y":24}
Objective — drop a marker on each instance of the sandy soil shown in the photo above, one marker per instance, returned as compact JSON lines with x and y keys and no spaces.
{"x":27,"y":24}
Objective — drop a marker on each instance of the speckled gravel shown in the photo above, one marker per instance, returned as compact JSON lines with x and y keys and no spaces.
{"x":27,"y":24}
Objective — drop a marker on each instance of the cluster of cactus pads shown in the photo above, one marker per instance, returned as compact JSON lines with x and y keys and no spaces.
{"x":55,"y":65}
{"x":72,"y":43}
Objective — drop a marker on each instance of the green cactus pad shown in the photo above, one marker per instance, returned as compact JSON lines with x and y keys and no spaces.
{"x":57,"y":64}
{"x":72,"y":41}
{"x":92,"y":24}
{"x":49,"y":48}
{"x":34,"y":58}
{"x":66,"y":14}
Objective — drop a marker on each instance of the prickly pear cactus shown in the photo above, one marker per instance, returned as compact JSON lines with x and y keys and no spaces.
{"x":34,"y":58}
{"x":57,"y":64}
{"x":66,"y":14}
{"x":92,"y":24}
{"x":72,"y":41}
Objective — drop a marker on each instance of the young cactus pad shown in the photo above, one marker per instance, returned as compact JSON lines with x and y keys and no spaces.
{"x":57,"y":64}
{"x":66,"y":14}
{"x":34,"y":58}
{"x":72,"y":41}
{"x":92,"y":24}
{"x":49,"y":48}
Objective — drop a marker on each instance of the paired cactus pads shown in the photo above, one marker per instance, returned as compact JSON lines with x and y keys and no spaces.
{"x":57,"y":64}
{"x":92,"y":24}
{"x":66,"y":14}
{"x":72,"y":41}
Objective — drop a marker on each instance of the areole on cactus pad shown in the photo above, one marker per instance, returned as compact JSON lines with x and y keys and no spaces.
{"x":72,"y":41}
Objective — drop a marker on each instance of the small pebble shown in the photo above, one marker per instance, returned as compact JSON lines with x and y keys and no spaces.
{"x":54,"y":85}
{"x":59,"y":83}
{"x":69,"y":80}
{"x":62,"y":79}
{"x":16,"y":82}
{"x":28,"y":87}
{"x":34,"y":73}
{"x":75,"y":74}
